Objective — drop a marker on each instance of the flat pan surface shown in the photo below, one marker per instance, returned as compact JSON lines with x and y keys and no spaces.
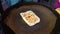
{"x":15,"y":22}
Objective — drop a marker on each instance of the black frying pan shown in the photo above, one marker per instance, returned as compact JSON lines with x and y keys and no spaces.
{"x":17,"y":24}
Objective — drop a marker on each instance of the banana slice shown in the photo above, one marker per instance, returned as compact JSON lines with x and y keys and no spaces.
{"x":30,"y":17}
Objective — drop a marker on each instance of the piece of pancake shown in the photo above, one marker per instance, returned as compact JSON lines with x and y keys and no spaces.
{"x":30,"y":17}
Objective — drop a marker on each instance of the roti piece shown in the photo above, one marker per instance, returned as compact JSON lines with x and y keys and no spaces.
{"x":30,"y":17}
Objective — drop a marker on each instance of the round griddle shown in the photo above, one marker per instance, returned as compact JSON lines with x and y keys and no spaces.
{"x":17,"y":24}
